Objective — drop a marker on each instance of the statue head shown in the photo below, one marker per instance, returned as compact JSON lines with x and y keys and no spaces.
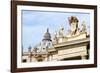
{"x":72,"y":19}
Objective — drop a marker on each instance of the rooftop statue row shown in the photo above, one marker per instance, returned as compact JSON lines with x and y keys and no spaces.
{"x":72,"y":32}
{"x":74,"y":29}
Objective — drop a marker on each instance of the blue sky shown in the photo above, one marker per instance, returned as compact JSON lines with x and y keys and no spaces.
{"x":35,"y":24}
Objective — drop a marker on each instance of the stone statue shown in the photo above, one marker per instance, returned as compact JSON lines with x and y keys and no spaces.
{"x":61,"y":31}
{"x":73,"y":21}
{"x":83,"y":27}
{"x":55,"y":39}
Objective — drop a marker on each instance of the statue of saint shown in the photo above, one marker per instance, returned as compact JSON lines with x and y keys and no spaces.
{"x":55,"y":39}
{"x":83,"y":27}
{"x":61,"y":31}
{"x":73,"y":21}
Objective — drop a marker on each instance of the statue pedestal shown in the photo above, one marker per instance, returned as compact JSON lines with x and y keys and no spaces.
{"x":76,"y":37}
